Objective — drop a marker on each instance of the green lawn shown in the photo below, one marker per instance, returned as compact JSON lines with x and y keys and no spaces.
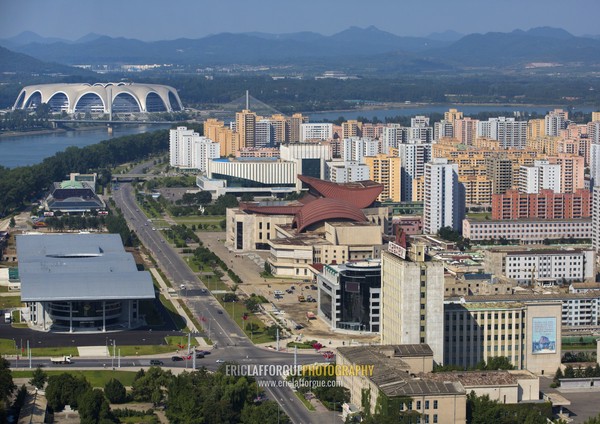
{"x":480,"y":216}
{"x":145,"y":419}
{"x":306,"y":403}
{"x":96,"y":378}
{"x":7,"y":347}
{"x":3,"y":289}
{"x":10,"y":301}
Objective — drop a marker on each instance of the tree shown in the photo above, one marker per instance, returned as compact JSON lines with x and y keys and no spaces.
{"x":7,"y":386}
{"x":252,"y":304}
{"x":12,"y":223}
{"x":267,"y":412}
{"x":64,"y":389}
{"x":93,"y":408}
{"x":495,"y":363}
{"x":39,"y":378}
{"x":115,"y":391}
{"x":569,"y":372}
{"x":557,"y":376}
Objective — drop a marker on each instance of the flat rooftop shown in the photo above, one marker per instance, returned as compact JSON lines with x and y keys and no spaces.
{"x":68,"y":267}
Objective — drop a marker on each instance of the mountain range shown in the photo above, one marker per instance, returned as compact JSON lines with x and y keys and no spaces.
{"x":369,"y":48}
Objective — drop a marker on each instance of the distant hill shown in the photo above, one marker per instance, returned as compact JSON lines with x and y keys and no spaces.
{"x":517,"y":48}
{"x":13,"y":62}
{"x":358,"y":49}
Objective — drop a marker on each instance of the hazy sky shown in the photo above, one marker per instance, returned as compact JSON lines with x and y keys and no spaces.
{"x":169,"y":19}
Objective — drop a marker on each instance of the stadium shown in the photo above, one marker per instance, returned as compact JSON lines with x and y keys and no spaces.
{"x":100,"y":98}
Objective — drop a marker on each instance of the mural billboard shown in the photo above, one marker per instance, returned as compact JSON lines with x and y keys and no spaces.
{"x":543,"y":335}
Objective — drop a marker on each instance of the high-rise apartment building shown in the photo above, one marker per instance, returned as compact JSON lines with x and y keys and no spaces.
{"x":316,"y":132}
{"x":542,"y":175}
{"x":393,"y":136}
{"x":595,"y":164}
{"x":385,"y":169}
{"x":465,"y":130}
{"x":452,"y":115}
{"x":510,"y":133}
{"x":413,"y":158}
{"x":412,"y":299}
{"x":294,"y":127}
{"x":351,"y":128}
{"x":419,"y":130}
{"x":444,"y":197}
{"x":555,"y":121}
{"x":356,"y":148}
{"x":264,"y":133}
{"x":595,"y":116}
{"x":596,"y":219}
{"x":572,"y":168}
{"x":245,"y":126}
{"x":536,"y":128}
{"x":500,"y":171}
{"x":443,"y":129}
{"x":187,"y":149}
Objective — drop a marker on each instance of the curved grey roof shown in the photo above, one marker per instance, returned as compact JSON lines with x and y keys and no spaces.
{"x":106,"y":92}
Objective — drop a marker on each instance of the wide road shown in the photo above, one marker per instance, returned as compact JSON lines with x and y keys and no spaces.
{"x":223,"y":330}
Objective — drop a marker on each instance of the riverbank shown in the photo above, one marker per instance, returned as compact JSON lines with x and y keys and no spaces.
{"x":34,"y":132}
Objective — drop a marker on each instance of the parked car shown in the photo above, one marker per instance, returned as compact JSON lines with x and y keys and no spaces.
{"x":219,"y":361}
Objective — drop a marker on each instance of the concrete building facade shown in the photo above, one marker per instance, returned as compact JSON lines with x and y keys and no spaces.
{"x":444,"y":197}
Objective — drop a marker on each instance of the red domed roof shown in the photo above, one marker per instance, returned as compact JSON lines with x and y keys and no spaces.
{"x":326,"y":209}
{"x":361,"y":194}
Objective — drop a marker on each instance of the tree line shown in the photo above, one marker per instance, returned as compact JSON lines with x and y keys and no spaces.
{"x":20,"y":185}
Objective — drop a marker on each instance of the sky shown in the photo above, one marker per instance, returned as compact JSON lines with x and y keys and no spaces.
{"x":171,"y":19}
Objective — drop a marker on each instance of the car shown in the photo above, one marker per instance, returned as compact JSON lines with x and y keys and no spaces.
{"x":293,"y":288}
{"x":153,"y":229}
{"x":205,"y":352}
{"x":313,"y":300}
{"x":146,"y":224}
{"x":276,"y":292}
{"x":313,"y":287}
{"x":156,"y":362}
{"x":219,"y":361}
{"x":298,"y":327}
{"x":288,"y":291}
{"x":220,"y":312}
{"x":203,"y":291}
{"x":176,"y":358}
{"x":199,"y":355}
{"x":307,"y":287}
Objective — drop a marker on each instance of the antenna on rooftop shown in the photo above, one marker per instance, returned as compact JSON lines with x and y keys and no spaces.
{"x":247,"y":100}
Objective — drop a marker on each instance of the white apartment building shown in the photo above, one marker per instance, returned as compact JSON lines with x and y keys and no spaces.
{"x":509,"y":132}
{"x":542,"y":266}
{"x":187,"y":149}
{"x":316,"y":132}
{"x":393,"y":136}
{"x":264,"y":133}
{"x":413,"y":158}
{"x":555,"y":121}
{"x":443,"y":129}
{"x":542,"y":175}
{"x":356,"y":148}
{"x":594,"y":162}
{"x":593,"y":130}
{"x":310,"y":158}
{"x":347,"y":172}
{"x":528,"y":231}
{"x":444,"y":197}
{"x":596,"y":219}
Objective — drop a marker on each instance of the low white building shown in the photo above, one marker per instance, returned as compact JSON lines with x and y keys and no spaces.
{"x":542,"y":265}
{"x":528,"y":231}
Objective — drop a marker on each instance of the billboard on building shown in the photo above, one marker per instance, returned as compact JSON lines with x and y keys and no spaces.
{"x":543,"y":335}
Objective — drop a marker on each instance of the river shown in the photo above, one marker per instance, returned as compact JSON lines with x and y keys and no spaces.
{"x":25,"y":150}
{"x":413,"y":110}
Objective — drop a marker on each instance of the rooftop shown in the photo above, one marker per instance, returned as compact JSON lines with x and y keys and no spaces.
{"x":63,"y":267}
{"x":392,"y":375}
{"x":481,"y":378}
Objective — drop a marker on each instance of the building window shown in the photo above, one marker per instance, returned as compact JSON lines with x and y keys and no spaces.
{"x":418,"y":405}
{"x":435,"y":405}
{"x":426,"y":404}
{"x":435,"y":418}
